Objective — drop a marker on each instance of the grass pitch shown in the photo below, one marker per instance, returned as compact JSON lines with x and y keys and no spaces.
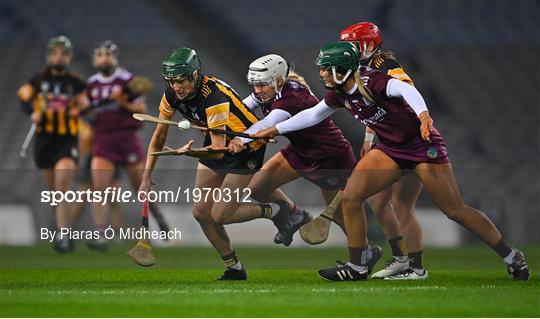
{"x":469,"y":281}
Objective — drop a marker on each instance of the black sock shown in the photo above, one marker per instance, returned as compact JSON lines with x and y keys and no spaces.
{"x":502,"y":249}
{"x":415,"y":259}
{"x":266,"y":210}
{"x":230,"y":260}
{"x":144,"y":222}
{"x":398,"y":246}
{"x":359,"y":255}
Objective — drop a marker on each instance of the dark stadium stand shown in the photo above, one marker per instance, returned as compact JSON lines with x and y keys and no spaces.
{"x":476,"y":65}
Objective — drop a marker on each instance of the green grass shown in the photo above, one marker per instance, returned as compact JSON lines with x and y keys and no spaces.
{"x":282,"y":282}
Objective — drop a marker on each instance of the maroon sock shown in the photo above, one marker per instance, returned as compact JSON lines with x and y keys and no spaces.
{"x":502,"y":249}
{"x":415,"y":259}
{"x":356,"y":254}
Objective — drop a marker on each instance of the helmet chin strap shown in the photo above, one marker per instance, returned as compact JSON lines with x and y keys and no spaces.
{"x":274,"y":84}
{"x":334,"y":75}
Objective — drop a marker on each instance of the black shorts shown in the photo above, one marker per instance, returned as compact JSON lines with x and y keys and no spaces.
{"x":245,"y":163}
{"x":49,"y":149}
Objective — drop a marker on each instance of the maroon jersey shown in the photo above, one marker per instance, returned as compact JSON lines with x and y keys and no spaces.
{"x":394,"y":121}
{"x":318,"y":142}
{"x":109,"y":116}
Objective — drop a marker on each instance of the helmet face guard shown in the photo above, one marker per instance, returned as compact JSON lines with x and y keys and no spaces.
{"x":111,"y":48}
{"x":267,"y":70}
{"x":338,"y":57}
{"x":180,"y":65}
{"x":63,"y":43}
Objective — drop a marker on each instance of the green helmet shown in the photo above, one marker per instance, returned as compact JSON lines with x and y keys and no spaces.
{"x":339,"y":57}
{"x":180,"y":64}
{"x":60,"y":41}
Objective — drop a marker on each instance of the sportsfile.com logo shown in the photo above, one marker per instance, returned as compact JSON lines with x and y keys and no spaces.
{"x":118,"y":195}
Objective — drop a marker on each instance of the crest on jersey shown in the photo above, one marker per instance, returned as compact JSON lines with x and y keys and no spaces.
{"x":74,"y":152}
{"x":45,"y":86}
{"x":95,"y":93}
{"x":252,"y":163}
{"x":432,"y":152}
{"x":133,"y":158}
{"x":332,"y":181}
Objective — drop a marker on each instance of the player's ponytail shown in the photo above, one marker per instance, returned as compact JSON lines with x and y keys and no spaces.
{"x":364,"y":90}
{"x":293,"y":76}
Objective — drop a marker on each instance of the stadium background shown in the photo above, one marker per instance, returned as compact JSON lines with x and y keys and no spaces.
{"x":475,"y":62}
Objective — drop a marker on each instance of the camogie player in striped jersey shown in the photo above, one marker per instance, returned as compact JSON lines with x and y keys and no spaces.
{"x":53,"y":99}
{"x":404,"y":193}
{"x":209,"y":102}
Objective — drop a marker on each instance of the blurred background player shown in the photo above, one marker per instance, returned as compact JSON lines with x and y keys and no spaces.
{"x":84,"y":175}
{"x":209,"y":102}
{"x":367,"y":38}
{"x":115,"y":142}
{"x":398,"y":113}
{"x":53,"y":99}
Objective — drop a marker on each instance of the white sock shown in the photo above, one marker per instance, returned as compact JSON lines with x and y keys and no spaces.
{"x":237,"y":266}
{"x":357,"y":267}
{"x":510,"y":258}
{"x":275,"y":209}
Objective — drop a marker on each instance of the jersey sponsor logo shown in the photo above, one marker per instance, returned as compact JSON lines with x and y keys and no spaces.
{"x":377,"y":117}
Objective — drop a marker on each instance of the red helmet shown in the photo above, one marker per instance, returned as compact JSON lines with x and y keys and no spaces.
{"x":363,"y":33}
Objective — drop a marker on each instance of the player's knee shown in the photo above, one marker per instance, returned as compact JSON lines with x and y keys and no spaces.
{"x":352,"y":197}
{"x":350,"y":201}
{"x":258,"y":193}
{"x":379,"y":207}
{"x":453,"y":211}
{"x":220,"y":216}
{"x":401,"y":209}
{"x":201,"y":214}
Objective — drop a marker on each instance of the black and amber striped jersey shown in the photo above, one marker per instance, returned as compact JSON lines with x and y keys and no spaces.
{"x":54,"y":96}
{"x":215,"y":105}
{"x":387,"y":64}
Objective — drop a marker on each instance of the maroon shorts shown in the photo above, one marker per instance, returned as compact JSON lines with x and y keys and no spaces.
{"x":122,"y":147}
{"x":423,"y":152}
{"x":327,"y":173}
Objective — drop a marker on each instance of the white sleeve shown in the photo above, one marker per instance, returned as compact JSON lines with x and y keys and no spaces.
{"x":306,"y":118}
{"x":251,"y":102}
{"x":274,"y":117}
{"x":397,"y":88}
